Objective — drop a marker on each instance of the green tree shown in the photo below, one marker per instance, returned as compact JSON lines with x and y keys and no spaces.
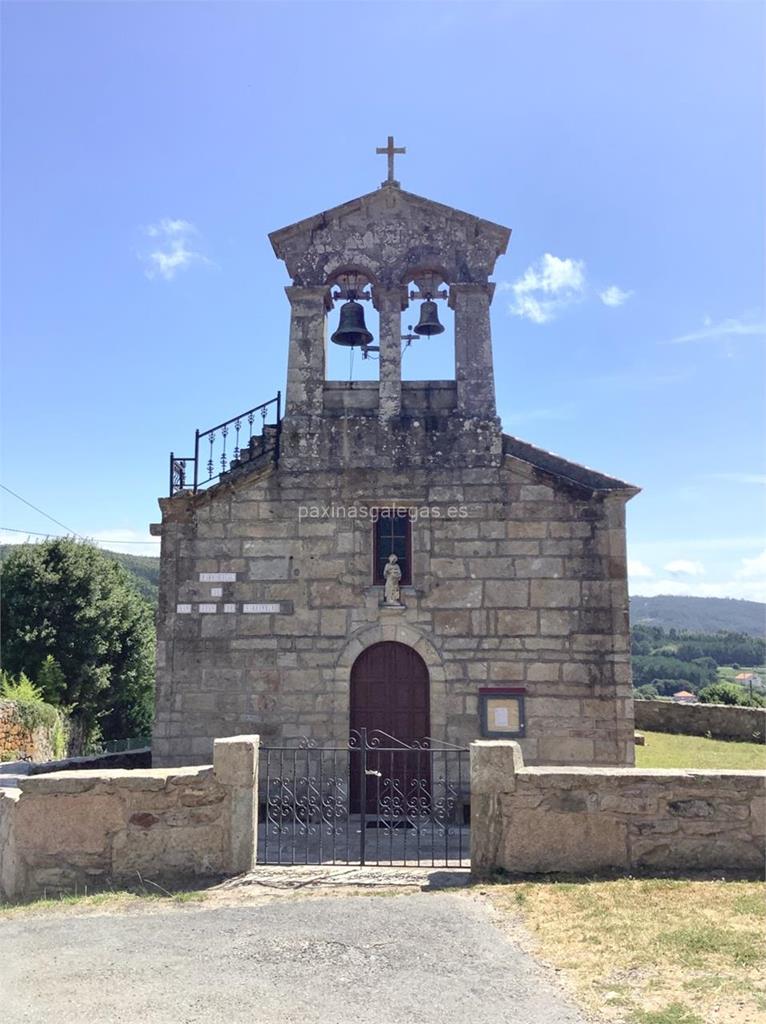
{"x":723,"y":693}
{"x":51,"y":680}
{"x":646,"y":692}
{"x":74,"y":621}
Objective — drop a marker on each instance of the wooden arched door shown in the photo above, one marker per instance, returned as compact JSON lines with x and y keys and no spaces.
{"x":390,"y":700}
{"x":390,"y":692}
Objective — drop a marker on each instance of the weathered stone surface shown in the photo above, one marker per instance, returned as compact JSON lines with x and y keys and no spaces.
{"x":579,"y":820}
{"x":60,"y":831}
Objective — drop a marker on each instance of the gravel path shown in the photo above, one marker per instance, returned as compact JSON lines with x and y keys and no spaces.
{"x":416,"y":958}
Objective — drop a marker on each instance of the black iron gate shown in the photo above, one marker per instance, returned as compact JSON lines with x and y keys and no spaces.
{"x":376,"y":800}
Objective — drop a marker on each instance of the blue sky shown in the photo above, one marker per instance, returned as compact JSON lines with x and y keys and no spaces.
{"x":149,"y":148}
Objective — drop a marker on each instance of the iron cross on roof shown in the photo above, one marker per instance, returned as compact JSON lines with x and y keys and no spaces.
{"x":390,"y":150}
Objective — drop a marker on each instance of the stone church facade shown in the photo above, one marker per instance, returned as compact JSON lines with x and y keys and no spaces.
{"x":512,"y":617}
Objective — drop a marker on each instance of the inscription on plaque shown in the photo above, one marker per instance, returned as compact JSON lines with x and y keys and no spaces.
{"x":260,"y":609}
{"x":229,"y":607}
{"x":183,"y":609}
{"x":217,"y":577}
{"x":208,"y":609}
{"x":216,"y":591}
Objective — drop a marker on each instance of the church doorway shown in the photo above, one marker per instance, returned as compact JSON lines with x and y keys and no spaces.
{"x":390,"y":692}
{"x":389,"y":709}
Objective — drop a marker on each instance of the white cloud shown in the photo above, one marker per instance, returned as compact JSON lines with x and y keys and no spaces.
{"x":177,"y":248}
{"x":129,"y":542}
{"x":546,"y":287}
{"x":724,"y":330}
{"x":167,"y":226}
{"x":753,"y":567}
{"x":614,"y":295}
{"x":742,"y":577}
{"x":6,"y":537}
{"x":683,"y":567}
{"x":638,"y":569}
{"x":552,"y":283}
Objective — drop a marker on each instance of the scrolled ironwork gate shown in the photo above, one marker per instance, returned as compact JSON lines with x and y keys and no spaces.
{"x":376,"y":800}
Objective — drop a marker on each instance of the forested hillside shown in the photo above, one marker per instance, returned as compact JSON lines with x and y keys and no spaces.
{"x":710,"y":665}
{"x":146,"y":570}
{"x":700,"y":614}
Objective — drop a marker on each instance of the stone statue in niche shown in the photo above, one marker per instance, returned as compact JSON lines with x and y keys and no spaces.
{"x":392,"y":574}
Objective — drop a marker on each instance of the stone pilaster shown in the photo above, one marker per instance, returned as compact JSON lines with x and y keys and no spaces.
{"x":306,"y":361}
{"x":473,"y":349}
{"x":389,"y":304}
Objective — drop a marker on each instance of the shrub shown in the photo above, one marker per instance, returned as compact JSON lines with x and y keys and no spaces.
{"x":21,"y":689}
{"x":730,"y":693}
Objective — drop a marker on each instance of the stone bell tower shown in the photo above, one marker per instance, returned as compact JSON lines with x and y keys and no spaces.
{"x":371,"y":249}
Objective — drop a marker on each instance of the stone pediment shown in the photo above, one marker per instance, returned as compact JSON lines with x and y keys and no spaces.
{"x":389,"y":235}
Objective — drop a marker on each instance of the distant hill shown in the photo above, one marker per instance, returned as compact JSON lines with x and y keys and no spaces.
{"x":145,"y":568}
{"x":700,"y":614}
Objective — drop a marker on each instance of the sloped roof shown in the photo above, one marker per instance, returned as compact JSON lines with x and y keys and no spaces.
{"x":563,"y":469}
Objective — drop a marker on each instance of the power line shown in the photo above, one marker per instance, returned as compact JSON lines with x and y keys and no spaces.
{"x":56,"y":521}
{"x":90,"y":540}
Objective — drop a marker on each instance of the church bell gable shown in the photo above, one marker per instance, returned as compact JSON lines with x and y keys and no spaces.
{"x":371,"y":250}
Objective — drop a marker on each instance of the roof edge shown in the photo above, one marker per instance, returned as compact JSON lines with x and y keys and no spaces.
{"x":572,"y":472}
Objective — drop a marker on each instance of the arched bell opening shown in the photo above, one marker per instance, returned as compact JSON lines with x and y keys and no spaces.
{"x":352,"y":327}
{"x":428,"y":328}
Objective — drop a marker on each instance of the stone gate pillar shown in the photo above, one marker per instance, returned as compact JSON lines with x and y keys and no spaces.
{"x":306,"y":360}
{"x":474,"y":371}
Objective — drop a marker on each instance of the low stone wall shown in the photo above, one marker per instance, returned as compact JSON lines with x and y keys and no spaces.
{"x":583,"y":820}
{"x":8,"y":857}
{"x":76,"y":828}
{"x":720,"y":721}
{"x":140,"y":758}
{"x":36,"y":733}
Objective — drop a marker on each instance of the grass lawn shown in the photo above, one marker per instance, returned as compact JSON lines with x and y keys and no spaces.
{"x":666,"y":750}
{"x":651,"y":951}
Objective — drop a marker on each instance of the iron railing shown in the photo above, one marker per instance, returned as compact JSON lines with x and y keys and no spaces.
{"x":212,"y":456}
{"x":375,"y":800}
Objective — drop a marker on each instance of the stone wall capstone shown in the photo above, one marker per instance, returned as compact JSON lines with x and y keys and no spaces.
{"x":579,"y":820}
{"x":720,"y":721}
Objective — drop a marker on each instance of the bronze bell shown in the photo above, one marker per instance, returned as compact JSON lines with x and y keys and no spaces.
{"x":352,"y":329}
{"x":429,"y":319}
